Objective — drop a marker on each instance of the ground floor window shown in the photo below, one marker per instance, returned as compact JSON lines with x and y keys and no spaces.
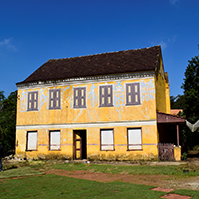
{"x":54,"y":140}
{"x":31,"y":141}
{"x":134,"y":136}
{"x":106,"y":139}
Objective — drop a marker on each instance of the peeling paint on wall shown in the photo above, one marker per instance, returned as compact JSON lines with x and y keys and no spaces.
{"x":119,"y":97}
{"x":147,"y":90}
{"x":92,"y":95}
{"x":23,"y":100}
{"x":146,"y":113}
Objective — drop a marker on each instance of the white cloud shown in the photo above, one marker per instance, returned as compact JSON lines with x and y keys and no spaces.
{"x":4,"y":42}
{"x":173,"y":2}
{"x":7,"y":43}
{"x":163,"y":44}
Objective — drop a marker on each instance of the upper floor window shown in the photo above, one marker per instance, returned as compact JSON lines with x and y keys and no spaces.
{"x":79,"y":97}
{"x":33,"y":101}
{"x":54,"y":99}
{"x":106,"y":95}
{"x":133,"y":94}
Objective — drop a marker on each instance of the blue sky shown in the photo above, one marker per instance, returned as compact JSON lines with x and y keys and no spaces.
{"x":34,"y":31}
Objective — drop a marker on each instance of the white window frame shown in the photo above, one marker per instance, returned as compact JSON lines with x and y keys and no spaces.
{"x":134,"y":139}
{"x":107,"y":140}
{"x":31,"y":141}
{"x":54,"y":145}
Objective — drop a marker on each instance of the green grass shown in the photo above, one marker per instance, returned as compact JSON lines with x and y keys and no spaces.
{"x":141,"y":169}
{"x":193,"y":194}
{"x":53,"y":186}
{"x":17,"y":172}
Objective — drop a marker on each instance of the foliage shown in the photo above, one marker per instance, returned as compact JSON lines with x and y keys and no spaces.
{"x":191,"y":89}
{"x":177,"y":102}
{"x":8,"y":120}
{"x":184,"y":155}
{"x":191,"y":101}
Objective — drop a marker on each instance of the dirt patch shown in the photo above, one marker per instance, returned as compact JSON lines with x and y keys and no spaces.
{"x":104,"y":177}
{"x":162,"y":189}
{"x":155,"y":180}
{"x":175,"y":196}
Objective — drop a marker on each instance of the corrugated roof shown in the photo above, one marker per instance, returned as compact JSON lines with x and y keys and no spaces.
{"x":100,"y":64}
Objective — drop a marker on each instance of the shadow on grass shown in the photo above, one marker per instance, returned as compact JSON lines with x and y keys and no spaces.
{"x":19,"y":172}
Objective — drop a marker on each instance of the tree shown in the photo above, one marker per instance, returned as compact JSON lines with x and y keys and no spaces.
{"x":8,"y":120}
{"x":191,"y":89}
{"x":177,"y":102}
{"x":191,"y":99}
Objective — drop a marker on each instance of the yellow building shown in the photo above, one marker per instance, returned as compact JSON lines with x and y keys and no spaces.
{"x":96,"y":107}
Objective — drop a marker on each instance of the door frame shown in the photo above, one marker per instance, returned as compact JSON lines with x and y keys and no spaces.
{"x":83,"y":144}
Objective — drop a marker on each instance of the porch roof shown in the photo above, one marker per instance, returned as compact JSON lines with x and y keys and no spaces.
{"x":165,"y":118}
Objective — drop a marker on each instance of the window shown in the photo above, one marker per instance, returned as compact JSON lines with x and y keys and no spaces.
{"x":54,"y":99}
{"x":31,"y":141}
{"x":80,"y":97}
{"x":106,"y":96}
{"x":33,"y":101}
{"x":107,"y":140}
{"x":54,"y":140}
{"x":134,"y":139}
{"x":133,"y":94}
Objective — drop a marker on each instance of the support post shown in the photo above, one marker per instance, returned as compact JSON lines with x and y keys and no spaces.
{"x":178,"y":143}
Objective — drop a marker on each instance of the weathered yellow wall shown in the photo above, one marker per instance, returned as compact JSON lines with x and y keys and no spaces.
{"x":162,"y":89}
{"x":177,"y":153}
{"x":168,"y":103}
{"x":92,"y":114}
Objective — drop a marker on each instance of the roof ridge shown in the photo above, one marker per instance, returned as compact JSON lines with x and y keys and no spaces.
{"x":103,"y":53}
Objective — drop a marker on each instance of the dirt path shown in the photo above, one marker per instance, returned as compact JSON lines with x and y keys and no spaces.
{"x":155,"y":180}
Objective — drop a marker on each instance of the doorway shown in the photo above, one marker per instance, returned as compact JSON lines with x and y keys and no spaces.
{"x":79,"y":144}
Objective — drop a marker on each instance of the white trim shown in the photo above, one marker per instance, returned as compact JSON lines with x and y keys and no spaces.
{"x":86,"y":80}
{"x":87,"y":125}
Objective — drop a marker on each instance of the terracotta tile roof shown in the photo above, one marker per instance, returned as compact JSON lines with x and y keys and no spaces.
{"x":100,"y":64}
{"x":175,"y":111}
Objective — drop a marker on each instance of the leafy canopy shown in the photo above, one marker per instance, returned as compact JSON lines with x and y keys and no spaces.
{"x":191,"y":89}
{"x":8,"y":120}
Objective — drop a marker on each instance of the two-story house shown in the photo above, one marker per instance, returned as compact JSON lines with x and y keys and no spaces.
{"x":109,"y":106}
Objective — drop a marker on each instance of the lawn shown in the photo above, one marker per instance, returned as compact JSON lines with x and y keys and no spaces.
{"x":136,"y":169}
{"x":55,"y":186}
{"x":21,"y":171}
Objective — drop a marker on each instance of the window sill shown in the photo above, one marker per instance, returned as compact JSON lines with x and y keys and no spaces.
{"x":30,"y":150}
{"x":132,"y":104}
{"x":134,"y":149}
{"x":54,"y":149}
{"x":106,"y":106}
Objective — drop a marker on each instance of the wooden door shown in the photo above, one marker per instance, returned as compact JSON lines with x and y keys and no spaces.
{"x":77,"y":145}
